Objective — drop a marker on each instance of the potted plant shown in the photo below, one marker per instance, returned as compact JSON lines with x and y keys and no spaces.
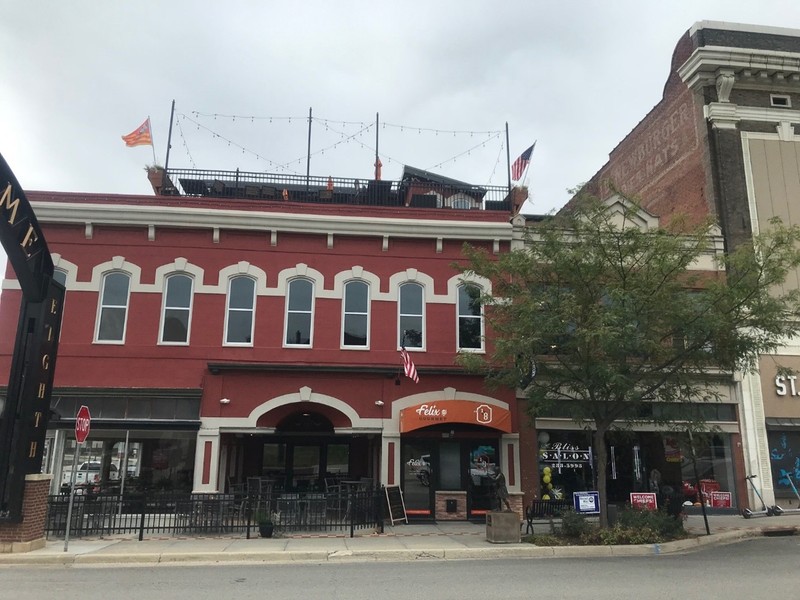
{"x":265,"y":525}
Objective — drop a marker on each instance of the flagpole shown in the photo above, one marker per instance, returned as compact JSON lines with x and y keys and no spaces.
{"x":508,"y":159}
{"x":169,"y":138}
{"x":377,"y":128}
{"x":308,"y":156}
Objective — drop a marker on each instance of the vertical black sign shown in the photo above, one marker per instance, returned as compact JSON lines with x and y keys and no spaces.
{"x":24,"y":415}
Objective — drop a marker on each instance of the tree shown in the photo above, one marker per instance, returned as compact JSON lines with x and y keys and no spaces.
{"x":619,"y":322}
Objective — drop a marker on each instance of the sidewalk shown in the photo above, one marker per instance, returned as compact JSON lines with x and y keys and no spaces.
{"x":458,"y":540}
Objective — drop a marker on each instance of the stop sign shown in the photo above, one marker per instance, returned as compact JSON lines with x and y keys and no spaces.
{"x":83,"y":421}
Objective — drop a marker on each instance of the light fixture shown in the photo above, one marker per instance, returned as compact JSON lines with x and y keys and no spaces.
{"x":378,"y":402}
{"x":544,"y":438}
{"x":224,"y":400}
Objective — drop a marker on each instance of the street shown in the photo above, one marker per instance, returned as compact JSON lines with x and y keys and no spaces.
{"x":757,"y":568}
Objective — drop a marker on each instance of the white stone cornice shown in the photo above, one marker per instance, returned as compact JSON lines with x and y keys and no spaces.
{"x":128,"y":215}
{"x":726,"y":115}
{"x":751,"y":68}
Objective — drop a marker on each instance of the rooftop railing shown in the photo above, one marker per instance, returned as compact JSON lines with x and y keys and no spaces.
{"x":409,"y":192}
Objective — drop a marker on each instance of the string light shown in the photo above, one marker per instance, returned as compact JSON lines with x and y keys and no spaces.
{"x":330,"y":125}
{"x":232,"y":143}
{"x":185,"y":145}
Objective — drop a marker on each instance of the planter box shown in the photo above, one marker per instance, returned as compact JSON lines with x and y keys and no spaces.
{"x":503,"y":527}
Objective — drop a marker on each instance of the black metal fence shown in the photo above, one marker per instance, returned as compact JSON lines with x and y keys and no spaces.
{"x":334,"y":190}
{"x":175,"y":514}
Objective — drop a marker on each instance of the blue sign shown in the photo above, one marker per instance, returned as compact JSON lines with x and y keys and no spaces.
{"x":586,"y":503}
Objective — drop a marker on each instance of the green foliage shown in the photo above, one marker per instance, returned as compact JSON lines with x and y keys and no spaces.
{"x":633,"y":527}
{"x":574,"y":525}
{"x":626,"y":322}
{"x":614,"y":315}
{"x":657,"y":521}
{"x":620,"y":536}
{"x":262,"y":517}
{"x":547,"y":540}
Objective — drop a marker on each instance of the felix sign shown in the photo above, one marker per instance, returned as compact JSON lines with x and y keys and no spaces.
{"x":24,"y":416}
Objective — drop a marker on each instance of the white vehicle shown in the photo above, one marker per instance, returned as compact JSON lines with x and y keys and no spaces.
{"x":89,"y":472}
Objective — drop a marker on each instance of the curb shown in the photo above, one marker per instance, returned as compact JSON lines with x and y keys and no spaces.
{"x":518,"y":551}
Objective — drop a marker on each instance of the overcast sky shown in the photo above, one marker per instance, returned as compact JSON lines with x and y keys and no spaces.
{"x":445,"y":77}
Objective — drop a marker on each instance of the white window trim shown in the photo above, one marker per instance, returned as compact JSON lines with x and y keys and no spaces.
{"x":228,"y":309}
{"x":399,"y":333}
{"x":368,"y":314}
{"x":100,"y":307}
{"x":164,"y":307}
{"x":286,"y":313}
{"x":482,"y":349}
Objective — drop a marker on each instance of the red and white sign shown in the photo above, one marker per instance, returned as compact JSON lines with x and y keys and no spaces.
{"x":644,"y":500}
{"x":83,"y":422}
{"x":720,"y":499}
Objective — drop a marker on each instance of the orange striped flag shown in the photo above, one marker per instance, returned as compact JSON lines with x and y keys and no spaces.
{"x":140,"y":136}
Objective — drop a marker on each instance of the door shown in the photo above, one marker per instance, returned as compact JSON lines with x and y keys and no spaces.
{"x":418,"y":476}
{"x":482,"y":460}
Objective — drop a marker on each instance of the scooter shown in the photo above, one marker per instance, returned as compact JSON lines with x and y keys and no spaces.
{"x":778,"y":510}
{"x":765,"y":510}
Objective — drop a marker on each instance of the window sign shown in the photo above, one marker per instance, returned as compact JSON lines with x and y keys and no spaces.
{"x":562,"y":455}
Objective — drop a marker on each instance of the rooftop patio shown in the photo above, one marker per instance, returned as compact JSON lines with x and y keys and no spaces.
{"x":416,"y":189}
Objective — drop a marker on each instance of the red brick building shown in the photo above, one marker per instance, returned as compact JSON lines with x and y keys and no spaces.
{"x":223,"y":330}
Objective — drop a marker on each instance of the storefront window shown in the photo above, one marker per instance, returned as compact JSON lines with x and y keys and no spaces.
{"x":784,"y":455}
{"x":564,"y":464}
{"x":155,"y":461}
{"x":274,"y":461}
{"x":338,"y":459}
{"x":639,"y":462}
{"x":714,"y":472}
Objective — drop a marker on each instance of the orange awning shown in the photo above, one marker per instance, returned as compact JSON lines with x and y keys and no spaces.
{"x":455,"y":411}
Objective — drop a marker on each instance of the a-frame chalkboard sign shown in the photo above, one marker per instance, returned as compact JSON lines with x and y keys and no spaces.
{"x":397,"y":507}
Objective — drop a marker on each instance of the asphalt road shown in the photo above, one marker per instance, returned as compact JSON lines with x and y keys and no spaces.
{"x":752,"y":569}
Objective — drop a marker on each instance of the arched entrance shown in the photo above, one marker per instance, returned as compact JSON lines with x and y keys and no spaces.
{"x":302,"y":449}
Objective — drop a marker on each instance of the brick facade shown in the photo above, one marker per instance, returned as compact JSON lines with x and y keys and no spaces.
{"x":28,"y":534}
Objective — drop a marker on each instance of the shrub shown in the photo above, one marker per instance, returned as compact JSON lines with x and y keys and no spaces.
{"x":659,"y":522}
{"x":574,"y":525}
{"x":620,"y":535}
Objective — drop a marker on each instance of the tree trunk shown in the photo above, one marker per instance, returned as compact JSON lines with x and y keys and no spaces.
{"x":602,"y":460}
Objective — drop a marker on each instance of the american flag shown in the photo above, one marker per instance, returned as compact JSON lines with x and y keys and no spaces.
{"x":140,"y":136}
{"x":408,"y":365}
{"x":519,"y":165}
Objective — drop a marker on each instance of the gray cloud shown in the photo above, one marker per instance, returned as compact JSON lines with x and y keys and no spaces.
{"x":576,"y":76}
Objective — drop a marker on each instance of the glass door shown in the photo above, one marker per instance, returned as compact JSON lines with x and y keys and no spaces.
{"x":418,"y":477}
{"x":482,"y":460}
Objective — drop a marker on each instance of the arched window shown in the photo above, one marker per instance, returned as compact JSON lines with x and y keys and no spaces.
{"x":177,"y":310}
{"x":470,"y":318}
{"x":355,"y":322}
{"x":113,"y":310}
{"x":240,"y":313}
{"x":299,"y":312}
{"x":412,"y":316}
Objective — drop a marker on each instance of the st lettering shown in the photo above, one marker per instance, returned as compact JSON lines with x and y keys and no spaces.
{"x":786,"y":385}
